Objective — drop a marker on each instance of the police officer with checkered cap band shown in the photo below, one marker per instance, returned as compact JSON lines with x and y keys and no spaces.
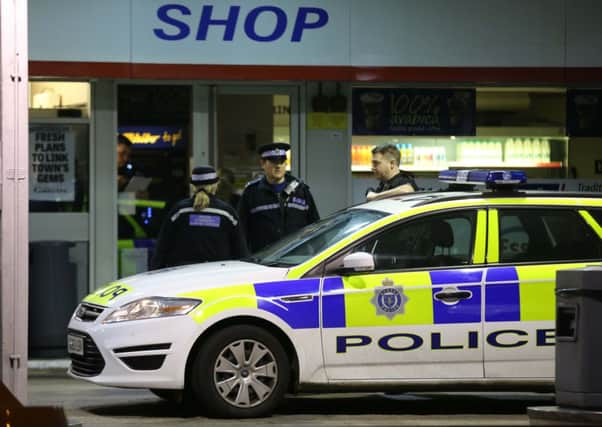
{"x":276,"y":203}
{"x":200,"y":228}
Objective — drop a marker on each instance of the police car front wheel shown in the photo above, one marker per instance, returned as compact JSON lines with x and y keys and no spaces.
{"x":240,"y":371}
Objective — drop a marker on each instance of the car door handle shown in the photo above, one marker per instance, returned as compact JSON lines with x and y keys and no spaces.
{"x":450,"y":296}
{"x":297,"y":298}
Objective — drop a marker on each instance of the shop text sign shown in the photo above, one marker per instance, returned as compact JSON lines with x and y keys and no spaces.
{"x":266,"y":23}
{"x":52,"y":164}
{"x":413,"y":111}
{"x":155,"y":137}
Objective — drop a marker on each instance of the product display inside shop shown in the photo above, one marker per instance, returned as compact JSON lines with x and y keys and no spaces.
{"x":431,"y":154}
{"x":436,"y":129}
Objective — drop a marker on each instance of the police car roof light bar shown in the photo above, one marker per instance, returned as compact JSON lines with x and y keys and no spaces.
{"x":491,"y":179}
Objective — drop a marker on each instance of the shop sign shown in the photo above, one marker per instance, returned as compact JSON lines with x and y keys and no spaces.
{"x":52,"y":164}
{"x":260,"y":24}
{"x":155,"y":137}
{"x":414,"y":111}
{"x":584,"y":112}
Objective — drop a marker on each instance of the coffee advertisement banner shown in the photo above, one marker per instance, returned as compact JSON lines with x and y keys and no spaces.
{"x":394,"y":111}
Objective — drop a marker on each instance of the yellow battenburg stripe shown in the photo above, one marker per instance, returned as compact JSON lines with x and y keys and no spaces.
{"x":481,"y":238}
{"x":493,"y":249}
{"x":361,"y":310}
{"x":217,"y":300}
{"x":591,"y":222}
{"x":537,"y":283}
{"x":105,"y":295}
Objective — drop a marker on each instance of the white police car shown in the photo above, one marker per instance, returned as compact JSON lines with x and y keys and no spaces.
{"x":445,"y":290}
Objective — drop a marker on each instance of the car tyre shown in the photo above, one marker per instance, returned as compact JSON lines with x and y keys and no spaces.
{"x":240,"y":372}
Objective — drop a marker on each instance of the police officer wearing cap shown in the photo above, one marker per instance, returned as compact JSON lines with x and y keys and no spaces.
{"x":200,"y":228}
{"x":276,"y":203}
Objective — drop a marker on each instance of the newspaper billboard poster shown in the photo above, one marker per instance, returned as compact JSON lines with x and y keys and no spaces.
{"x":52,"y":163}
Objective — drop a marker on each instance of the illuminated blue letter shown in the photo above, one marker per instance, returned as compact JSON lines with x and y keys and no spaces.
{"x":252,"y":20}
{"x":301,"y":22}
{"x":162,"y":14}
{"x":229,"y":22}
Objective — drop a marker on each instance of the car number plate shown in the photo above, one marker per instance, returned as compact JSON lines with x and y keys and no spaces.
{"x":75,"y":345}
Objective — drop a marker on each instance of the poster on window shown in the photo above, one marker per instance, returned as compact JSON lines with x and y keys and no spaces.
{"x":401,"y":111}
{"x":51,"y":164}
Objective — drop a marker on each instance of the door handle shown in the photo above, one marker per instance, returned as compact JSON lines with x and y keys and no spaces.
{"x":297,"y":298}
{"x":452,"y":296}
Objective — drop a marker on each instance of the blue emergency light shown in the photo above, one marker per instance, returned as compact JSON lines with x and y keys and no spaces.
{"x":491,"y":179}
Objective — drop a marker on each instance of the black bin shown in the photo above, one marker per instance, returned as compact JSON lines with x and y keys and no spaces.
{"x":578,"y":337}
{"x":52,"y":297}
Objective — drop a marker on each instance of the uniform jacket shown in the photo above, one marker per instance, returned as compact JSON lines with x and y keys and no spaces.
{"x":267,"y":216}
{"x":188,"y":236}
{"x":400,"y":179}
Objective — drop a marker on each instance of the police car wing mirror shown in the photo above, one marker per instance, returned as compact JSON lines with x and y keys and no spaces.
{"x":357,"y":262}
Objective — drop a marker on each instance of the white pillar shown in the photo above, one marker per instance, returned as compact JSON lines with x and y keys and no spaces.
{"x":14,"y":196}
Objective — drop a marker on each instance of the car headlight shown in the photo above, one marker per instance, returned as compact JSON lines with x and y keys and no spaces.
{"x":152,"y":307}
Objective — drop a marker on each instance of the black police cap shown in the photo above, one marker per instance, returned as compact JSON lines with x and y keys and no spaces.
{"x":276,"y":149}
{"x":203,"y":175}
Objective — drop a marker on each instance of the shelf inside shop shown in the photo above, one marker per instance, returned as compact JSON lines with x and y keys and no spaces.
{"x":467,"y":165}
{"x":508,"y":165}
{"x":409,"y":168}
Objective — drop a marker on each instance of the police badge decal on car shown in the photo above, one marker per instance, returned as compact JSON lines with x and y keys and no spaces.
{"x":389,"y":299}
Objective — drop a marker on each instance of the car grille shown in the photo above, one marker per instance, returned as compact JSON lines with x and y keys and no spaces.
{"x":91,"y":363}
{"x":88,"y":312}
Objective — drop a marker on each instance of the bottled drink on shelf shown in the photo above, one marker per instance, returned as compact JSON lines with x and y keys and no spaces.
{"x":545,"y":150}
{"x":410,"y":154}
{"x":527,"y":150}
{"x":536,"y":150}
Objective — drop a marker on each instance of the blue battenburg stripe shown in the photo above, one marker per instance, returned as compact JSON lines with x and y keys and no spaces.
{"x":466,"y":310}
{"x":333,"y":303}
{"x":502,"y":300}
{"x":300,"y":314}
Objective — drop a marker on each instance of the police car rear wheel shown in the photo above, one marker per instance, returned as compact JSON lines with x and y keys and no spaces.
{"x":240,"y":371}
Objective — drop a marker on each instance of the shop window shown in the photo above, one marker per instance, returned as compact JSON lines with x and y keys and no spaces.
{"x":48,"y":99}
{"x":59,"y":146}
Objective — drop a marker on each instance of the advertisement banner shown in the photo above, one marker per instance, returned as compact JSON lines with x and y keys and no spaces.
{"x":52,"y":163}
{"x":414,"y":111}
{"x":155,"y":137}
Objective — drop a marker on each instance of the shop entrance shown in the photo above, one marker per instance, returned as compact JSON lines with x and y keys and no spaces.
{"x":247,"y":117}
{"x":153,"y":150}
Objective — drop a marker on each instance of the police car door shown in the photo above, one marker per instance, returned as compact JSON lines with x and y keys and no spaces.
{"x":529,"y":244}
{"x":418,"y":313}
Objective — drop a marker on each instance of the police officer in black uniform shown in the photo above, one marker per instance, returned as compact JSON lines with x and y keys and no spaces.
{"x":276,"y":203}
{"x":201,"y":228}
{"x":385,"y":167}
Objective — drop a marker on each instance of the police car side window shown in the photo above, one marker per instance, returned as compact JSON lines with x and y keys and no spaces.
{"x":432,"y":241}
{"x":532,"y":235}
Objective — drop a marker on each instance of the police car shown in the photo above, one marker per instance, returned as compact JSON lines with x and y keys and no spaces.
{"x":441,"y":290}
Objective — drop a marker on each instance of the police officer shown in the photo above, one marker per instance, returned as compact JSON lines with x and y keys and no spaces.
{"x":201,"y":228}
{"x":276,"y":203}
{"x":385,"y":167}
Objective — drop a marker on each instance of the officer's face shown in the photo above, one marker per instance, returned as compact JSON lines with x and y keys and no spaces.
{"x":383,"y":168}
{"x":274,"y":169}
{"x":123,"y":155}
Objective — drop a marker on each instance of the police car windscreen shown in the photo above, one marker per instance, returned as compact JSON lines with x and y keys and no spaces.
{"x":303,"y":244}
